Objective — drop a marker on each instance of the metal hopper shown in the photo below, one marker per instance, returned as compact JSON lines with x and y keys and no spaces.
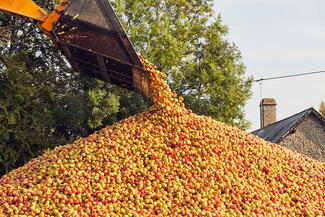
{"x":90,"y":35}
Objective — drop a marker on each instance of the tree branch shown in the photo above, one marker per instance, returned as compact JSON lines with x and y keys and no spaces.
{"x":3,"y":61}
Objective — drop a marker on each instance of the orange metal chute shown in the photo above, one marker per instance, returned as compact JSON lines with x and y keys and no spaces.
{"x":25,"y":8}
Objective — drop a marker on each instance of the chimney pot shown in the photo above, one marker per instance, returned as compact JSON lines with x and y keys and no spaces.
{"x":268,"y":111}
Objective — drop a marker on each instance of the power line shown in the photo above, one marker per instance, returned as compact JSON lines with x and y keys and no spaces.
{"x":289,"y":76}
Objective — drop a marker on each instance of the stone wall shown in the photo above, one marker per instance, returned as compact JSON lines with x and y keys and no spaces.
{"x":308,"y":138}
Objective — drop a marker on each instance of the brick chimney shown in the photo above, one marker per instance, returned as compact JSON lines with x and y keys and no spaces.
{"x":268,"y":111}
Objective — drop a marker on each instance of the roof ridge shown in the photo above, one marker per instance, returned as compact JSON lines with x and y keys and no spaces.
{"x":321,"y":117}
{"x":276,"y":131}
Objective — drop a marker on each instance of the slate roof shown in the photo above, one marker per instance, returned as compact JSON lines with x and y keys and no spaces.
{"x":277,"y":131}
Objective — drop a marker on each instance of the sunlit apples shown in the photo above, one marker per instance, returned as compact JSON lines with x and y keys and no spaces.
{"x":166,"y":161}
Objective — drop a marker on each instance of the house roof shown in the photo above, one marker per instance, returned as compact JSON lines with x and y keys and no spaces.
{"x":277,"y":131}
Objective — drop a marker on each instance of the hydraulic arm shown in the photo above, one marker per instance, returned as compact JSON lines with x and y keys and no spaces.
{"x":24,"y":8}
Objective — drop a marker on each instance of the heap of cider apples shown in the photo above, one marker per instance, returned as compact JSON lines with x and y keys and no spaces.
{"x":167,"y":161}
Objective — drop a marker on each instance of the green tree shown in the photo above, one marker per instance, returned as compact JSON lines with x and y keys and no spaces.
{"x":322,"y":109}
{"x":186,"y":40}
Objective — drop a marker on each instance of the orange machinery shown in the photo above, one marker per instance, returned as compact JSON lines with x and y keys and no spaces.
{"x":90,"y":35}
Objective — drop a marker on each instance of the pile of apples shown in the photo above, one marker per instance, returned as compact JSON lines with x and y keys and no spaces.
{"x":167,"y":161}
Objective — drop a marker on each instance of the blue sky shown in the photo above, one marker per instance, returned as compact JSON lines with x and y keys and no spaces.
{"x":279,"y":37}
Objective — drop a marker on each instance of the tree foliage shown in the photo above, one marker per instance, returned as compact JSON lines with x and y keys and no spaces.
{"x":322,"y":108}
{"x":44,"y":103}
{"x":186,"y":40}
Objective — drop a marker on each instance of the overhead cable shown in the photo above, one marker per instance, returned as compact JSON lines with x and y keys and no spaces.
{"x":289,"y":76}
